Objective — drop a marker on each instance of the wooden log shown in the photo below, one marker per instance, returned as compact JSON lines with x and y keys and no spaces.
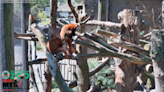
{"x":23,"y":35}
{"x":54,"y":69}
{"x":104,"y":23}
{"x":110,"y":53}
{"x":38,"y":61}
{"x":143,"y":42}
{"x":27,"y":38}
{"x":147,"y":35}
{"x":99,"y":37}
{"x":147,"y":47}
{"x":147,"y":68}
{"x":128,"y":45}
{"x":109,"y":34}
{"x":100,"y":42}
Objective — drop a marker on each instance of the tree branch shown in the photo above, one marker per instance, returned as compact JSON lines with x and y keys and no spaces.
{"x":37,"y":61}
{"x":99,"y":67}
{"x":110,"y":53}
{"x":92,"y":72}
{"x":127,"y":45}
{"x":53,"y":67}
{"x":100,"y":42}
{"x":109,"y":34}
{"x":73,"y":10}
{"x":104,"y":23}
{"x":23,"y":35}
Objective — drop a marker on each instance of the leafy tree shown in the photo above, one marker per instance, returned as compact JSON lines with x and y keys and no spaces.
{"x":41,"y":15}
{"x":104,"y":77}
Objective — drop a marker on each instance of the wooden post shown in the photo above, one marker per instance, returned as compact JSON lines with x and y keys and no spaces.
{"x":2,"y":46}
{"x":9,"y":37}
{"x":25,"y":11}
{"x":157,"y":50}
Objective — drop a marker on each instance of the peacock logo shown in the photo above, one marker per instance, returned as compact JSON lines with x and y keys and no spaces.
{"x":5,"y":74}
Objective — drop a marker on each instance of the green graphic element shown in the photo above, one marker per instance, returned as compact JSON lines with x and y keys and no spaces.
{"x":5,"y":74}
{"x":19,"y":74}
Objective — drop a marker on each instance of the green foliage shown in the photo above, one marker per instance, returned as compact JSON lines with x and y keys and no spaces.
{"x":17,"y":8}
{"x":62,"y":0}
{"x":104,"y":77}
{"x":54,"y":86}
{"x":78,"y":1}
{"x":34,"y":10}
{"x":142,"y":33}
{"x":38,"y":47}
{"x":41,"y":15}
{"x":45,"y":22}
{"x":41,"y":3}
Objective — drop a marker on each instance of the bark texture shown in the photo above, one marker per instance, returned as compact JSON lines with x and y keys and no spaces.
{"x":48,"y":76}
{"x":82,"y":69}
{"x":125,"y":70}
{"x":52,"y":61}
{"x":157,"y":55}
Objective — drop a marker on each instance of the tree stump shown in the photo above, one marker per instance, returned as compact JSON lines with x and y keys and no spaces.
{"x":125,"y":70}
{"x":157,"y":55}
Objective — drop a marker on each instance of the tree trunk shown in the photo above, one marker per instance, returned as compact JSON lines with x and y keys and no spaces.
{"x":82,"y":69}
{"x":157,"y":48}
{"x":9,"y":36}
{"x":53,"y":11}
{"x":125,"y":70}
{"x":48,"y":76}
{"x":101,"y":12}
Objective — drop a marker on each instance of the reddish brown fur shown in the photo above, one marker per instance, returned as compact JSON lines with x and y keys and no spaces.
{"x":67,"y":29}
{"x":55,"y":44}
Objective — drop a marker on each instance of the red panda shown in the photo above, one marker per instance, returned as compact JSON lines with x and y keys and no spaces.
{"x":55,"y":44}
{"x":69,"y":31}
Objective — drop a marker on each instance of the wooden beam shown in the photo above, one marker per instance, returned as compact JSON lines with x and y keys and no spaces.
{"x":37,"y":61}
{"x":100,"y":42}
{"x":104,"y":23}
{"x":110,"y":53}
{"x":109,"y":34}
{"x":128,"y":45}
